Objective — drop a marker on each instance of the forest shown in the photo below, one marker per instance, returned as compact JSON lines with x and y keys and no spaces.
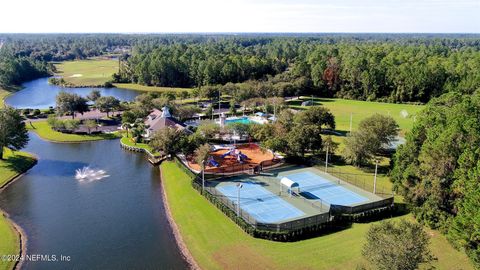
{"x":438,"y":169}
{"x":381,"y":67}
{"x":384,"y":71}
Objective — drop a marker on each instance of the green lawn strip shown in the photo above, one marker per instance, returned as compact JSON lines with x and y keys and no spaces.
{"x":343,"y":108}
{"x":129,"y":142}
{"x":3,"y":95}
{"x":46,"y":132}
{"x":144,"y":88}
{"x":90,"y":72}
{"x":9,"y":242}
{"x":14,"y":164}
{"x":217,"y":243}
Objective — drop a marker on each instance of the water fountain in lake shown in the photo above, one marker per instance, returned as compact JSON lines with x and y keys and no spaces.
{"x":86,"y":174}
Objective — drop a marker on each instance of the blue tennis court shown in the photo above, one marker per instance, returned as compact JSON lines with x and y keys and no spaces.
{"x":314,"y":186}
{"x":260,"y":203}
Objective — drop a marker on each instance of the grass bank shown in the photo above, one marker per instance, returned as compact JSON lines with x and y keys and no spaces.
{"x":9,"y":242}
{"x":3,"y":94}
{"x":129,"y":142}
{"x":217,"y":243}
{"x":14,"y":164}
{"x":90,"y":72}
{"x":46,"y":132}
{"x":404,"y":114}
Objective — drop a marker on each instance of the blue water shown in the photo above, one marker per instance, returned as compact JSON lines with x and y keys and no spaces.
{"x":260,"y":203}
{"x":39,"y":94}
{"x":316,"y":187}
{"x":243,"y":120}
{"x":118,"y":222}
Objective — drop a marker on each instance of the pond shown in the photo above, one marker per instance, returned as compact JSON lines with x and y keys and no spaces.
{"x":39,"y":94}
{"x":116,"y":221}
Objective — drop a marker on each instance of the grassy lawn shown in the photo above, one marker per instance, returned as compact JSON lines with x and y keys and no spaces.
{"x":218,"y":243}
{"x":13,"y":164}
{"x":91,"y":72}
{"x":3,"y":95}
{"x":144,"y":88}
{"x":128,"y":141}
{"x":9,"y":242}
{"x":342,"y":108}
{"x":43,"y":130}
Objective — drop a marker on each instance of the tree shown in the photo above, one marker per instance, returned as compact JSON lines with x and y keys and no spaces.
{"x":209,"y":111}
{"x":357,"y":149}
{"x":232,"y":110}
{"x":138,"y":130}
{"x":90,"y":124}
{"x":185,"y":112}
{"x":208,"y":129}
{"x":302,"y":139}
{"x":329,"y":144}
{"x":201,"y":154}
{"x":128,"y":119}
{"x":373,"y":136}
{"x":94,"y":95}
{"x":13,"y":133}
{"x":71,"y":103}
{"x":184,"y":95}
{"x":107,"y":104}
{"x":71,"y":124}
{"x":437,"y":169}
{"x":399,"y":245}
{"x":316,"y":115}
{"x":166,"y":140}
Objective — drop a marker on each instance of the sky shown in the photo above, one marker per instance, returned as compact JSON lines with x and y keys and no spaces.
{"x":161,"y":16}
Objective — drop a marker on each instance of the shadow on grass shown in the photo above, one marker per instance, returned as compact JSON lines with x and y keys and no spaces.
{"x":18,"y":163}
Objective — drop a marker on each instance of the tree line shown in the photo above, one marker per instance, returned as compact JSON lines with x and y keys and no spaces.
{"x":438,"y":169}
{"x":382,"y":67}
{"x":385,"y":71}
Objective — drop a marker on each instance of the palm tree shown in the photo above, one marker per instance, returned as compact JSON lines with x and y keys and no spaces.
{"x":126,"y":126}
{"x":138,"y":130}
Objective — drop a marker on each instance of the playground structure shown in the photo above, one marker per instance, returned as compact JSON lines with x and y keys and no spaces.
{"x":237,"y":154}
{"x":233,"y":159}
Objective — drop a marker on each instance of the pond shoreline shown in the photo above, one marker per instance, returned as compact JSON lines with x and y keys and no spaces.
{"x":22,"y":236}
{"x":176,"y":231}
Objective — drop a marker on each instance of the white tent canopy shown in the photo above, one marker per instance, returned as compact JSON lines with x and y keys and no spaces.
{"x":288,"y":183}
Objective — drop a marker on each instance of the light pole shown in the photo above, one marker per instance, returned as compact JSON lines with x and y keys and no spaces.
{"x":203,"y":176}
{"x":326,"y":160}
{"x":375,"y":177}
{"x":219,"y":103}
{"x":239,"y":186}
{"x":351,"y":118}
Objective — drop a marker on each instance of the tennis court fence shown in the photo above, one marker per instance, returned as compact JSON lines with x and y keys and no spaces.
{"x":364,"y":181}
{"x":276,"y":227}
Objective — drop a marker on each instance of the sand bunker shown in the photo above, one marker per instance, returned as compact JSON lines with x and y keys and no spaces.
{"x":76,"y":75}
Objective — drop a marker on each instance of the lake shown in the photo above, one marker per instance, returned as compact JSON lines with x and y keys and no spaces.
{"x":39,"y":94}
{"x":117,"y":222}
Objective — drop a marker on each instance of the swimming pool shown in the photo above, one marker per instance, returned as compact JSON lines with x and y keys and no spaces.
{"x":242,"y":120}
